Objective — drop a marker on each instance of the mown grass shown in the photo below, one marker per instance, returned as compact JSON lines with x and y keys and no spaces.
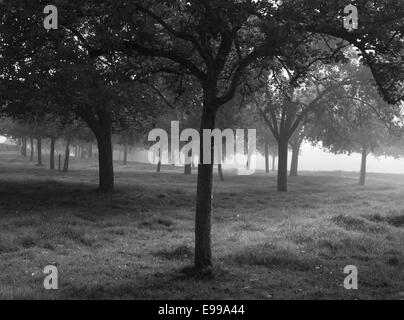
{"x":135,"y":242}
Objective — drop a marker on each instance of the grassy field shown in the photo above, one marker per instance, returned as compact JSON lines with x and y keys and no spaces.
{"x":134,"y":243}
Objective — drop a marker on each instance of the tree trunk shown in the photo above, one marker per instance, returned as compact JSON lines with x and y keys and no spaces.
{"x":273,"y":162}
{"x":24,"y":147}
{"x":67,"y":156}
{"x":52,"y":153}
{"x":19,"y":144}
{"x":32,"y":148}
{"x":362,"y":179}
{"x":203,"y":251}
{"x":188,"y":169}
{"x":283,"y":145}
{"x":220,"y":169}
{"x":159,"y":163}
{"x":223,"y":160}
{"x":39,"y":143}
{"x":101,"y":126}
{"x":105,"y":159}
{"x":266,"y":155}
{"x":295,"y":160}
{"x":125,"y":154}
{"x":90,"y":150}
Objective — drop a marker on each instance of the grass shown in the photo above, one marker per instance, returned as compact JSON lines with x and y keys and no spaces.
{"x":135,"y":242}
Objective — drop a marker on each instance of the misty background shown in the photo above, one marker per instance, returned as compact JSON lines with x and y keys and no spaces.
{"x":313,"y":158}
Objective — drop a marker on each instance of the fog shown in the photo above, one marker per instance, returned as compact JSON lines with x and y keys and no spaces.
{"x":316,"y":159}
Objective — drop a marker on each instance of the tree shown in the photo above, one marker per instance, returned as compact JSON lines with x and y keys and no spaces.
{"x":16,"y":130}
{"x":217,"y":41}
{"x":296,"y":143}
{"x":289,"y":97}
{"x":357,"y":124}
{"x":231,"y":116}
{"x":68,"y":82}
{"x":304,"y":132}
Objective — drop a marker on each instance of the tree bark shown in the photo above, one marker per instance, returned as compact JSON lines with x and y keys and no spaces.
{"x":67,"y":156}
{"x":188,"y":169}
{"x":125,"y":154}
{"x":294,"y":169}
{"x":39,"y":143}
{"x":81,"y":151}
{"x":223,"y":160}
{"x":266,"y":155}
{"x":102,"y":128}
{"x":32,"y":148}
{"x":362,"y":179}
{"x":24,"y":147}
{"x":90,"y":150}
{"x":19,"y":144}
{"x":203,"y":251}
{"x":220,"y":169}
{"x":105,"y":159}
{"x":159,"y":163}
{"x":283,"y":146}
{"x":52,"y":153}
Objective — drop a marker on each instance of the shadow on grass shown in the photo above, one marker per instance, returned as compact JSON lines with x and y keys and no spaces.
{"x":20,"y":198}
{"x":174,"y":284}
